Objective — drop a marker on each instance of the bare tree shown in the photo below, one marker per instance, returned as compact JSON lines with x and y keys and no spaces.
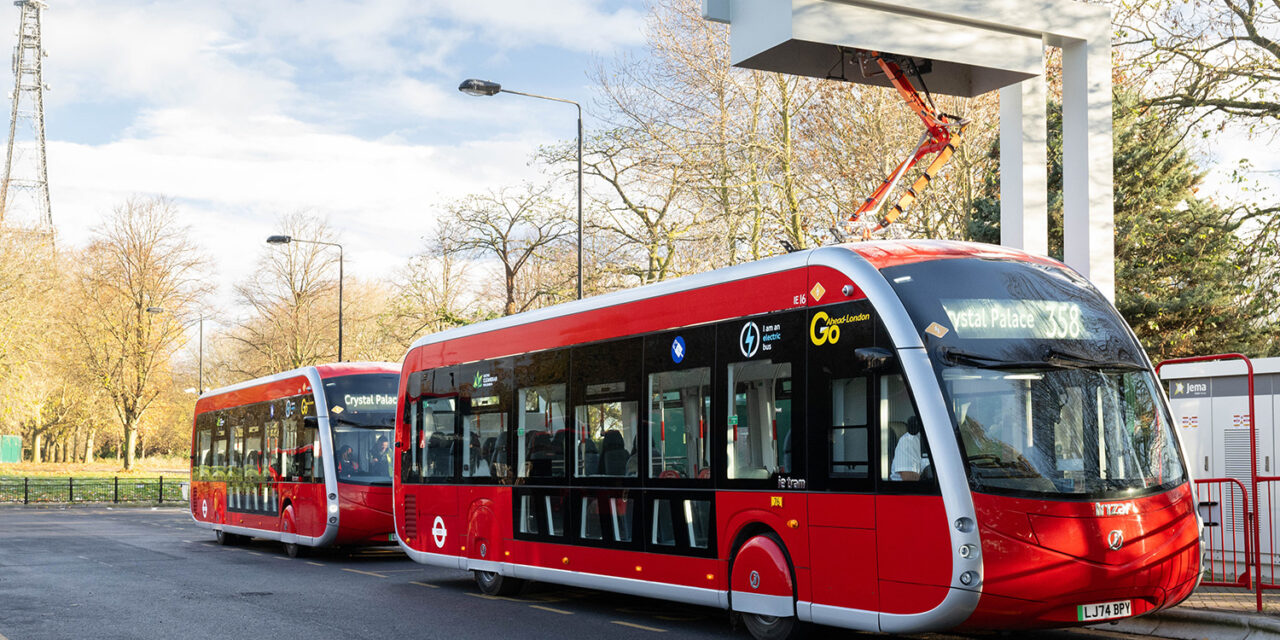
{"x":513,"y":226}
{"x":139,"y":258}
{"x":292,"y":299}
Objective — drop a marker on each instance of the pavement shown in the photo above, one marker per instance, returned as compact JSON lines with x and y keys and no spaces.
{"x":1218,"y":613}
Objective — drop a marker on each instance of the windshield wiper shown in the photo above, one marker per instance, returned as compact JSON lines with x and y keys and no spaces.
{"x":960,"y":356}
{"x":353,"y":423}
{"x":1066,"y":360}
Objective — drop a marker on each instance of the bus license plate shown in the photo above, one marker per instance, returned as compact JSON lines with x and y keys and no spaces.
{"x":1105,"y":610}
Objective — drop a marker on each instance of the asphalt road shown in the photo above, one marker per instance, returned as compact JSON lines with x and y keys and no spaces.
{"x":137,"y":573}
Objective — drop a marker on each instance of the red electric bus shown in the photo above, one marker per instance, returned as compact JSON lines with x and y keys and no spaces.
{"x":894,"y":436}
{"x":259,"y":461}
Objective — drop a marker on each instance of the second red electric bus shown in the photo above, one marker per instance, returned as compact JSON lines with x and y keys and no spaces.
{"x":303,"y":457}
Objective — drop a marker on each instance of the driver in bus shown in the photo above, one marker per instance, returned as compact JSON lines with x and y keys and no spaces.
{"x":380,"y":462}
{"x":907,"y":460}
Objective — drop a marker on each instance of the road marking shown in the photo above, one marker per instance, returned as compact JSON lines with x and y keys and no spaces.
{"x":638,"y":626}
{"x":318,"y":564}
{"x":561,"y":611}
{"x":280,"y":557}
{"x":254,"y":553}
{"x":187,"y":541}
{"x":2,"y":637}
{"x":481,"y":595}
{"x":365,"y":573}
{"x":424,"y":584}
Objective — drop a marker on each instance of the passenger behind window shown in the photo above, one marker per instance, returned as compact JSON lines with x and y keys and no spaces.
{"x":346,"y":465}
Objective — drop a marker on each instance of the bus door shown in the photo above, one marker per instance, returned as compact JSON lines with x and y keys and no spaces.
{"x":913,"y":542}
{"x":843,"y":440}
{"x":434,"y":458}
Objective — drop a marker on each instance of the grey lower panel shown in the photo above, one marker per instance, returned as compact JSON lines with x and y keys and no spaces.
{"x":856,"y":619}
{"x":279,"y":536}
{"x":765,"y":605}
{"x":679,"y":593}
{"x":955,"y":608}
{"x":435,"y":559}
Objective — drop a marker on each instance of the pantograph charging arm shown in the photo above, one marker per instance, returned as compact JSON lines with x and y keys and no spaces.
{"x":942,"y":135}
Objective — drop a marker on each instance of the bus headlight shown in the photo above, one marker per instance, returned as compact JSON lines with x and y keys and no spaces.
{"x":968,"y":551}
{"x":964,"y":525}
{"x":968,"y":578}
{"x":333,"y":508}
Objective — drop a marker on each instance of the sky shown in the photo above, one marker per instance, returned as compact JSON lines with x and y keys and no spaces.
{"x":244,"y":110}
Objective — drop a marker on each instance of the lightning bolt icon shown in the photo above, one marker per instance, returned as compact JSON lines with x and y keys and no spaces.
{"x":751,"y":340}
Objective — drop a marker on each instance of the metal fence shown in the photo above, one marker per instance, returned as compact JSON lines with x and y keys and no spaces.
{"x":91,"y":490}
{"x":1224,"y":506}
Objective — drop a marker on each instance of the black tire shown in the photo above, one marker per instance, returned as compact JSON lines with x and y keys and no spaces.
{"x":764,"y":627}
{"x":773,"y":627}
{"x":225,"y":538}
{"x":496,"y":584}
{"x":295,"y":550}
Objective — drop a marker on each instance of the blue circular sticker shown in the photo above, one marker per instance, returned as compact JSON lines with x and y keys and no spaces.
{"x":677,"y":350}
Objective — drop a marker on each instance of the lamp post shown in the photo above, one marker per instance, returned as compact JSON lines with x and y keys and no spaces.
{"x":474,"y":87}
{"x":200,"y":385}
{"x":281,"y":239}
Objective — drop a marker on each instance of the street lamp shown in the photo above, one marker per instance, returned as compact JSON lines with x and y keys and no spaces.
{"x":201,"y":343}
{"x":474,"y":87}
{"x":282,"y":239}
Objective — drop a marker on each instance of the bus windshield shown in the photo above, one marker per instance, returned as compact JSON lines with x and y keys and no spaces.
{"x":362,"y":411}
{"x":1048,"y":391}
{"x":1093,"y":433}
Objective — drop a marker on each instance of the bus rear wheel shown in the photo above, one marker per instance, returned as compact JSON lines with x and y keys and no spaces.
{"x":295,"y":550}
{"x":773,"y":627}
{"x":225,"y":538}
{"x":492,"y":583}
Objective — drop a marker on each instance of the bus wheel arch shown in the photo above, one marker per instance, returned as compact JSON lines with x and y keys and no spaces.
{"x":289,"y":524}
{"x":762,"y":584}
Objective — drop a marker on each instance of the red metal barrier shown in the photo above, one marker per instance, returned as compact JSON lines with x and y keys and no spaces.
{"x":1252,"y":529}
{"x":1265,"y":500}
{"x":1224,"y":506}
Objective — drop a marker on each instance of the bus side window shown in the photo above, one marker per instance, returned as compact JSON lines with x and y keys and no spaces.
{"x":486,"y":407}
{"x":679,"y":410}
{"x":606,"y":390}
{"x":309,"y":439}
{"x":204,"y":446}
{"x":541,"y":403}
{"x":218,"y":468}
{"x":850,"y":429}
{"x":760,"y":382}
{"x":904,"y":448}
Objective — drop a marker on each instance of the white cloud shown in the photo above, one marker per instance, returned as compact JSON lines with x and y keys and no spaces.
{"x":243,"y":110}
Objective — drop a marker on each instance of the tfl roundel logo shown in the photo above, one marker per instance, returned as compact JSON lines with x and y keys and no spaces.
{"x":749,"y":339}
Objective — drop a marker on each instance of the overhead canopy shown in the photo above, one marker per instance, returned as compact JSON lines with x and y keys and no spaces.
{"x":820,"y":39}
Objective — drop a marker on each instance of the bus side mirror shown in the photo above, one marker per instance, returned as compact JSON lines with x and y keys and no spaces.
{"x":873,"y":357}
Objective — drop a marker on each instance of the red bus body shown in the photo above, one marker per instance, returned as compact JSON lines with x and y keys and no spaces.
{"x":318,"y":511}
{"x":872,"y":559}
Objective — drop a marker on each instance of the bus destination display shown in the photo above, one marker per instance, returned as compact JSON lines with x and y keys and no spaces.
{"x":1036,"y":319}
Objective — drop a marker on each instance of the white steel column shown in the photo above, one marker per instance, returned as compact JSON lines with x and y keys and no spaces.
{"x":1024,"y":206}
{"x":1087,"y":168}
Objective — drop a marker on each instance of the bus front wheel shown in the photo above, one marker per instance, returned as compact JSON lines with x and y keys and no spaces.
{"x":764,"y":627}
{"x":495,"y":584}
